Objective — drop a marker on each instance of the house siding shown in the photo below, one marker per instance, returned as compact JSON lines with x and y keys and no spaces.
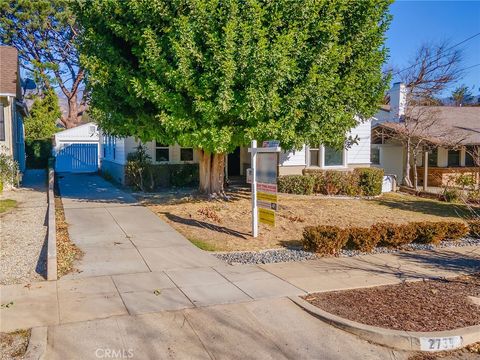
{"x":360,"y":153}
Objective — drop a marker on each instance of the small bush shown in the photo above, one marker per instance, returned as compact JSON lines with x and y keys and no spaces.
{"x":296,"y":184}
{"x":474,"y":226}
{"x":324,"y":239}
{"x":451,"y":195}
{"x":363,"y":239}
{"x":455,"y":230}
{"x":370,"y":180}
{"x":429,"y":232}
{"x":395,"y":235}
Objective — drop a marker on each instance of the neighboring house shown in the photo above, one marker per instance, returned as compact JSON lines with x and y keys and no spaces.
{"x":114,"y":153}
{"x":77,"y":149}
{"x":12,"y":107}
{"x":447,"y":156}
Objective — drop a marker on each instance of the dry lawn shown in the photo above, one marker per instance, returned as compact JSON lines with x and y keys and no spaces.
{"x":226,"y":225}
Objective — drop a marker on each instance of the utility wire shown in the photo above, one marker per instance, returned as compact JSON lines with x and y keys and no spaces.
{"x":451,"y":47}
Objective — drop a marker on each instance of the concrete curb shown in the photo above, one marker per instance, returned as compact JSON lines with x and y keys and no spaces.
{"x":398,"y":339}
{"x":52,"y":231}
{"x":37,"y":346}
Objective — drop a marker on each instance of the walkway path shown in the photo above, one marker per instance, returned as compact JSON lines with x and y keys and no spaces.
{"x":23,"y":231}
{"x":136,"y":266}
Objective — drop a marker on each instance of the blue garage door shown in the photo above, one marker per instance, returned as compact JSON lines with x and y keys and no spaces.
{"x":77,"y":158}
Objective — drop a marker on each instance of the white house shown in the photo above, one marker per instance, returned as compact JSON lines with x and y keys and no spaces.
{"x":114,"y":152}
{"x":77,"y":149}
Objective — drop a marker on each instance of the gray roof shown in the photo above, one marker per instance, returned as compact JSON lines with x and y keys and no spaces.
{"x":462,"y":122}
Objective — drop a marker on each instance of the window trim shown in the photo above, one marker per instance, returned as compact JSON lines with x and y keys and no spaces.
{"x":321,"y":158}
{"x":163,"y":147}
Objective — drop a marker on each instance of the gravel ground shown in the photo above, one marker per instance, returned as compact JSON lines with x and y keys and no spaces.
{"x":287,"y":255}
{"x":14,"y":345}
{"x":433,"y":305}
{"x":23,"y":232}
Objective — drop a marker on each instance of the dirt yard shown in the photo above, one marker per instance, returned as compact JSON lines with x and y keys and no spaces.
{"x":226,"y":225}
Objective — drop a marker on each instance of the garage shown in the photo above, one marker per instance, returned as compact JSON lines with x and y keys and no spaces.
{"x":76,"y":149}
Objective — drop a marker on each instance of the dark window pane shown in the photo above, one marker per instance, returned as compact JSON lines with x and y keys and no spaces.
{"x":453,"y":158}
{"x":314,"y":158}
{"x":375,"y":156}
{"x":333,"y":157}
{"x":433,"y":158}
{"x":469,"y":161}
{"x":186,"y":154}
{"x":2,"y":123}
{"x":162,"y":155}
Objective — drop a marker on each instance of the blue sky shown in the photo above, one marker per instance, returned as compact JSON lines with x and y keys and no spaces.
{"x":416,"y":22}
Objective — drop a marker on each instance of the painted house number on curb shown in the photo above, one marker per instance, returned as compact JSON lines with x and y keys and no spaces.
{"x":440,"y":343}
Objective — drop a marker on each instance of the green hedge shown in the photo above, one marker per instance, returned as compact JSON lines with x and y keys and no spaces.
{"x":359,"y":182}
{"x":329,"y":240}
{"x":166,"y":175}
{"x":37,"y":153}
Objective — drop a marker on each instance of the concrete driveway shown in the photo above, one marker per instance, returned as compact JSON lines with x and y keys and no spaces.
{"x":119,"y":236}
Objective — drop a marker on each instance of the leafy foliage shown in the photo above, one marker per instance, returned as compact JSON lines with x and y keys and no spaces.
{"x":40,"y":124}
{"x":44,"y":33}
{"x":462,"y":95}
{"x":360,"y":182}
{"x":214,"y":75}
{"x":8,"y":170}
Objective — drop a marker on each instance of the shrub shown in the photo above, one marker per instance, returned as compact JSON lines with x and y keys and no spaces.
{"x":9,"y":170}
{"x":363,"y":239}
{"x":451,"y":195}
{"x":37,"y":153}
{"x":429,"y":232}
{"x":324,"y":239}
{"x":394,"y":235}
{"x":370,"y":180}
{"x":296,"y":184}
{"x":474,"y":226}
{"x":455,"y":230}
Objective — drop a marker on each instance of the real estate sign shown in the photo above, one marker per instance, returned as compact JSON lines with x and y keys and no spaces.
{"x":264,"y":183}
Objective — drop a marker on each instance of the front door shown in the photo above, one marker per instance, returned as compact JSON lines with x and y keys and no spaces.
{"x":234,"y":163}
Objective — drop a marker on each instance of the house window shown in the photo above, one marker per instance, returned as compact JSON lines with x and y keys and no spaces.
{"x":453,"y":157}
{"x":333,"y":157}
{"x":186,"y":154}
{"x":162,"y":152}
{"x":375,"y":156}
{"x":433,"y":158}
{"x":2,"y":123}
{"x":114,"y":146}
{"x":470,"y":153}
{"x":314,"y":156}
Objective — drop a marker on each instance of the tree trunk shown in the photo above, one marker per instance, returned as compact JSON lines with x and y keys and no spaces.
{"x":71,"y":120}
{"x":406,"y":173}
{"x":415,"y":172}
{"x":211,"y":173}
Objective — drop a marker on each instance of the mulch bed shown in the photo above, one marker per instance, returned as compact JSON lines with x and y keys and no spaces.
{"x":433,"y":305}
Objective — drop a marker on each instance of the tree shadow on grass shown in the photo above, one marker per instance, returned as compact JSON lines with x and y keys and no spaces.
{"x":205,"y":225}
{"x":427,"y":207}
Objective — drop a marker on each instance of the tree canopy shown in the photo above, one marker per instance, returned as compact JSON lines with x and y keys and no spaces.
{"x":44,"y":33}
{"x":215,"y":74}
{"x":40,"y":124}
{"x":462,"y":95}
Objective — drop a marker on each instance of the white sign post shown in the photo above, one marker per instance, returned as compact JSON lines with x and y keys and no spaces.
{"x":267,"y":168}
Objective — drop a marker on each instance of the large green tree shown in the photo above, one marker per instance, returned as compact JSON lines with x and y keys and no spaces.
{"x":215,"y":74}
{"x":44,"y":33}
